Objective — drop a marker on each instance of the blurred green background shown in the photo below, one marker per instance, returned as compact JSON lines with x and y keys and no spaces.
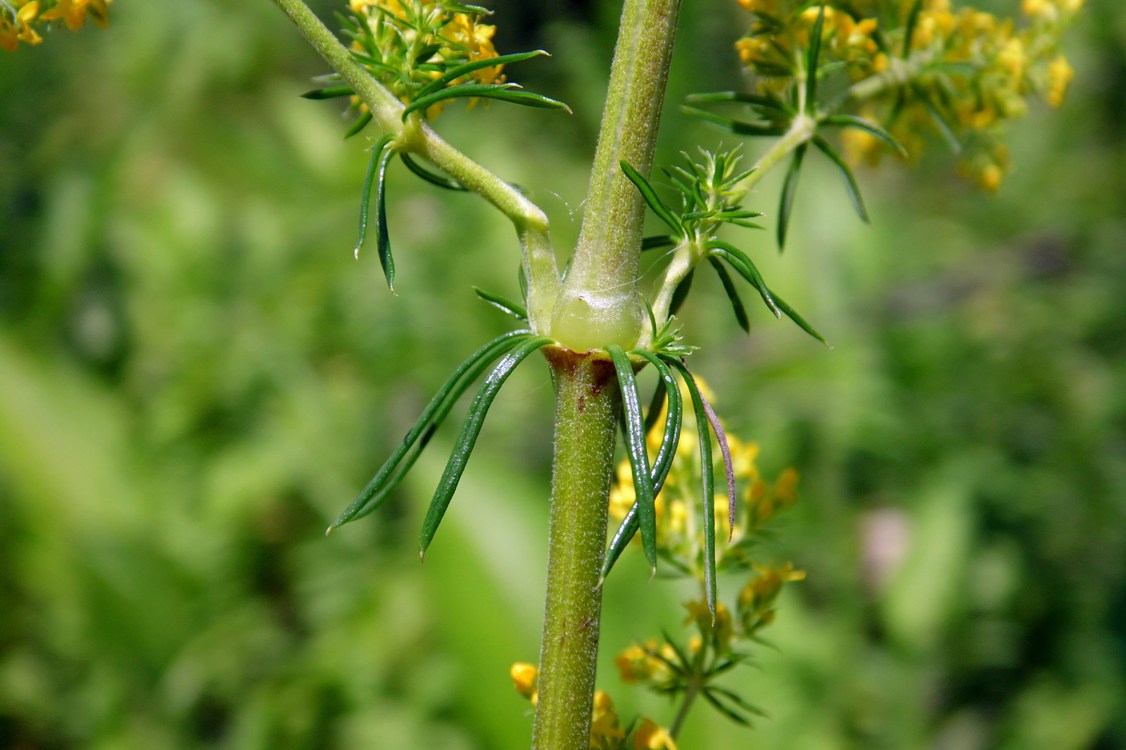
{"x":195,"y":376}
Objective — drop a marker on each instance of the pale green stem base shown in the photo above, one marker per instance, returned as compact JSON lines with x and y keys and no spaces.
{"x":586,"y":407}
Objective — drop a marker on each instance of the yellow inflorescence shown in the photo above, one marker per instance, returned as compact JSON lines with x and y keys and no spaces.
{"x":416,"y":41}
{"x":22,"y":20}
{"x":981,"y":67}
{"x":606,"y":729}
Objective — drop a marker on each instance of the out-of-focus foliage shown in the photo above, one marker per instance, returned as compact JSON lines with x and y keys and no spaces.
{"x":195,"y":374}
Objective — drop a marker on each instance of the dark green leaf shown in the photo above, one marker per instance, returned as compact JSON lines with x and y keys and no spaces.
{"x":853,"y":121}
{"x":361,"y":122}
{"x":657,"y":241}
{"x":332,"y":92}
{"x":638,"y":456}
{"x":849,"y":178}
{"x":732,"y":294}
{"x":470,"y":429}
{"x":365,"y":191}
{"x":681,"y":293}
{"x":470,"y":67}
{"x":789,"y":190}
{"x":386,"y":261}
{"x":811,"y":60}
{"x":432,"y":177}
{"x":728,"y":466}
{"x":909,"y":28}
{"x":726,"y":711}
{"x":736,"y":126}
{"x":741,"y":263}
{"x":388,"y":476}
{"x":768,"y":103}
{"x":793,"y":315}
{"x":508,"y":92}
{"x":664,"y":213}
{"x":707,"y":480}
{"x":506,"y":306}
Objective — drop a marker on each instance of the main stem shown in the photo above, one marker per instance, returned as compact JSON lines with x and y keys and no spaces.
{"x":598,"y":305}
{"x":586,"y":407}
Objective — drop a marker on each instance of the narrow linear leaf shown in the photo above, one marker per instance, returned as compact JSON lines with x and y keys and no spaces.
{"x":365,"y":191}
{"x":470,"y":429}
{"x":388,"y":476}
{"x":432,"y":177}
{"x":508,"y":92}
{"x":789,"y":190}
{"x":472,"y":67}
{"x":732,"y":294}
{"x":738,"y":700}
{"x":853,"y":121}
{"x":728,"y":465}
{"x":850,"y":179}
{"x":762,"y":102}
{"x":330,"y":92}
{"x":811,"y":60}
{"x":707,"y":481}
{"x":386,"y":261}
{"x":735,"y":126}
{"x":638,"y":456}
{"x":794,"y":316}
{"x":909,"y":28}
{"x":725,"y":710}
{"x":360,"y":123}
{"x":664,"y":213}
{"x":747,"y":269}
{"x":504,"y":305}
{"x":681,"y":293}
{"x":940,"y":120}
{"x":657,"y":241}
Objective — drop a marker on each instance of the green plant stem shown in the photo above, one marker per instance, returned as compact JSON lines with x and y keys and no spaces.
{"x":415,"y":136}
{"x":599,"y":302}
{"x":686,"y":704}
{"x":586,"y":406}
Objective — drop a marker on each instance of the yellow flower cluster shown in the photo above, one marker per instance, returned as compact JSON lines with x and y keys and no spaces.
{"x":606,"y":730}
{"x":781,"y":28}
{"x":407,"y":44}
{"x":980,"y":70}
{"x":21,"y":22}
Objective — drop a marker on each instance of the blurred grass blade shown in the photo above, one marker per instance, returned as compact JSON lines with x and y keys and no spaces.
{"x":789,"y":190}
{"x":793,"y":315}
{"x":732,"y":294}
{"x":664,"y":213}
{"x":506,"y":306}
{"x":768,"y":103}
{"x":432,"y":177}
{"x":508,"y":92}
{"x":812,"y":58}
{"x":638,"y":455}
{"x":707,"y":481}
{"x":417,"y":437}
{"x":742,"y":263}
{"x":471,"y":67}
{"x":849,"y":178}
{"x":470,"y":429}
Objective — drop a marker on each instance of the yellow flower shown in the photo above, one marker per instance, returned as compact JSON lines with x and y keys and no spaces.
{"x":604,"y":721}
{"x":1060,"y":74}
{"x":20,"y":30}
{"x":649,"y":736}
{"x":73,"y":12}
{"x":524,"y":677}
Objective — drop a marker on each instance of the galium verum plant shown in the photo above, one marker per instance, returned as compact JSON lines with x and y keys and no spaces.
{"x":850,"y":79}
